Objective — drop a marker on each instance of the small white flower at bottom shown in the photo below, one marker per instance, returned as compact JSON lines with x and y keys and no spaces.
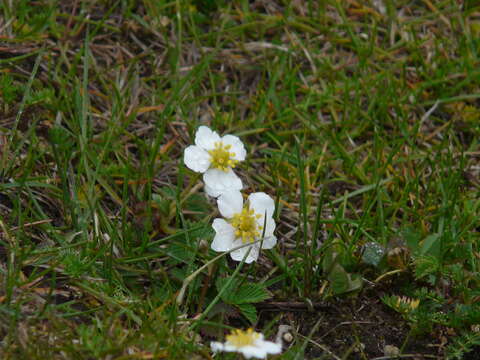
{"x":249,"y":343}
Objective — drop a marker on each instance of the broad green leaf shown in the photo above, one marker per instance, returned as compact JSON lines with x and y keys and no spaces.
{"x":428,"y":243}
{"x":339,"y":280}
{"x":412,"y":238}
{"x":356,"y":282}
{"x":342,"y":282}
{"x":329,"y":260}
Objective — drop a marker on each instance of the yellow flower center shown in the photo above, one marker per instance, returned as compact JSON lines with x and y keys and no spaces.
{"x":221,"y":158}
{"x":245,"y":225}
{"x":239,"y":338}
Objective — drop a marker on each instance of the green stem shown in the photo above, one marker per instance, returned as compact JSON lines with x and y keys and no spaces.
{"x":219,"y":295}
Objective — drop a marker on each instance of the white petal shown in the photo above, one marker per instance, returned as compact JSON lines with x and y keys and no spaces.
{"x":269,"y":242}
{"x":229,"y":347}
{"x":230,"y":203}
{"x":253,"y":256}
{"x":210,"y":191}
{"x":237,"y":146}
{"x":239,"y":254}
{"x":218,"y":182}
{"x":261,"y":203}
{"x":224,"y":237}
{"x":216,"y":346}
{"x":269,"y":346}
{"x":269,"y":226}
{"x":196,"y":158}
{"x":206,"y":138}
{"x":253,"y":351}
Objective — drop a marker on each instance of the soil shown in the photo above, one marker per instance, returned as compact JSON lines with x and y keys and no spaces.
{"x":360,"y":328}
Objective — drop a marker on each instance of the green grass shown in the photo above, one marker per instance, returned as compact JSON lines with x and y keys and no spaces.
{"x":362,"y":123}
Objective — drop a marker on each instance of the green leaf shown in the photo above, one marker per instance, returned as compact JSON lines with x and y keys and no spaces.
{"x":412,"y":238}
{"x":339,"y":280}
{"x":428,"y":243}
{"x":180,"y":252}
{"x":240,"y":292}
{"x":252,"y":293}
{"x":343,"y":282}
{"x":198,"y":203}
{"x":356,"y":282}
{"x":329,"y":260}
{"x":249,"y":311}
{"x":426,"y":265}
{"x":373,"y":253}
{"x":228,"y":294}
{"x":462,"y":345}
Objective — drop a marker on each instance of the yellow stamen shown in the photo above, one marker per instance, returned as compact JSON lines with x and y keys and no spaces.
{"x":245,"y":225}
{"x":240,"y":338}
{"x":221,"y":158}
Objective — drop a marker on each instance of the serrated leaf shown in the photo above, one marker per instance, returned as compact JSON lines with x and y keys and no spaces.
{"x":228,"y":293}
{"x":426,"y":265}
{"x":180,"y":252}
{"x":198,"y":203}
{"x":249,"y":311}
{"x":251,"y":293}
{"x":239,"y":292}
{"x":202,"y":232}
{"x":223,"y":310}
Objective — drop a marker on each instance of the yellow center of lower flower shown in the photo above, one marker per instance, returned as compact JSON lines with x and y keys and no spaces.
{"x":239,"y":338}
{"x":245,"y":224}
{"x":221,"y":158}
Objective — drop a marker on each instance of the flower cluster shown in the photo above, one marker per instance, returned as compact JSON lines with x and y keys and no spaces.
{"x":246,"y":227}
{"x":242,"y":223}
{"x":406,"y":304}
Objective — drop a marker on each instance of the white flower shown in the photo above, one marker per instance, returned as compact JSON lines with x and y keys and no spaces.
{"x":249,"y":343}
{"x":244,"y":225}
{"x":215,"y":156}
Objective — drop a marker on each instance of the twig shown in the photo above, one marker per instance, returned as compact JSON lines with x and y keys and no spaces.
{"x":30,"y":224}
{"x":292,"y":305}
{"x":429,"y":112}
{"x":404,"y":356}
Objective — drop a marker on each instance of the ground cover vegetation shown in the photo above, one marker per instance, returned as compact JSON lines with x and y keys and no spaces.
{"x":360,"y":119}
